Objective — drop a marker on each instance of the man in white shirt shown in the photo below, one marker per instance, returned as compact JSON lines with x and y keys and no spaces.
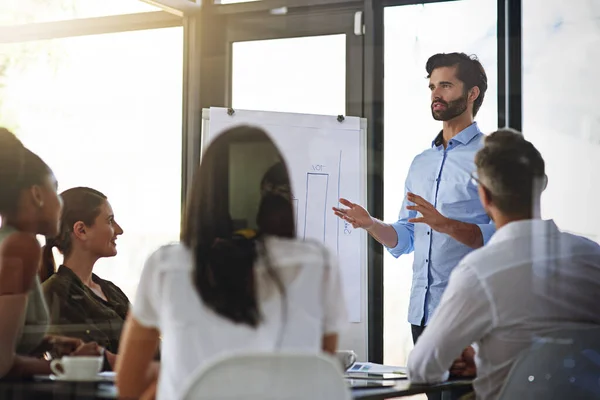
{"x":529,"y":280}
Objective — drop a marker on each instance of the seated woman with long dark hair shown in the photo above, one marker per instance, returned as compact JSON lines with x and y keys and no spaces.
{"x":82,"y":304}
{"x":29,"y":206}
{"x":218,"y":292}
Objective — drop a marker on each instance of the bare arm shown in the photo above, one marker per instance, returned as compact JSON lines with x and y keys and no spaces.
{"x":468,"y":234}
{"x":135,"y":368}
{"x":27,"y":366}
{"x":383,"y":233}
{"x":19,"y":260}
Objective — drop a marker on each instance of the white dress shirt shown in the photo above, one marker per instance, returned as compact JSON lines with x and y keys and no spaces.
{"x":529,"y":280}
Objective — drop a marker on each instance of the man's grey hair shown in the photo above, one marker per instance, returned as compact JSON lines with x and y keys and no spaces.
{"x":512,"y":170}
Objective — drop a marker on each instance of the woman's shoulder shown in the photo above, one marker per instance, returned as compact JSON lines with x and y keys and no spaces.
{"x":286,"y":251}
{"x":61,"y":286}
{"x":53,"y":283}
{"x":20,"y":245}
{"x":171,"y":257}
{"x":20,"y":255}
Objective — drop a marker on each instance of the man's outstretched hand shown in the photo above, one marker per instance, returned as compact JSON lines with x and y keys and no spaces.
{"x":429,"y":215}
{"x":354,"y":214}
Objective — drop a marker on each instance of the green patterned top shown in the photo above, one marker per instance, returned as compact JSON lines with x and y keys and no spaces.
{"x":76,"y":311}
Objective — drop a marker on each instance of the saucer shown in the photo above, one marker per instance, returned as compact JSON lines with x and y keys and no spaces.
{"x":97,"y":378}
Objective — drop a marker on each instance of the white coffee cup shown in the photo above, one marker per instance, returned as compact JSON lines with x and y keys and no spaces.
{"x":77,"y":368}
{"x":346,"y":358}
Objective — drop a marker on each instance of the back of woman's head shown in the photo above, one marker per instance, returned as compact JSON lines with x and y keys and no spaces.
{"x":20,"y":169}
{"x":79,"y":204}
{"x":224,"y":262}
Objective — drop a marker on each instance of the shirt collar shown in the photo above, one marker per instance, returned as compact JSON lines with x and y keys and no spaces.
{"x":66,"y":272}
{"x":464,"y":136}
{"x":524,"y":228}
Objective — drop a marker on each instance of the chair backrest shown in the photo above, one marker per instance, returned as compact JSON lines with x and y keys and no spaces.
{"x":563,"y":365}
{"x":266,"y":376}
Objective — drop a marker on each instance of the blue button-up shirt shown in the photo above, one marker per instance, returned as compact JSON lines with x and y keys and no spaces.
{"x":442,"y":177}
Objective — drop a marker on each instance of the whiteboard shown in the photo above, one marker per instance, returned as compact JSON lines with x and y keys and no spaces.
{"x":326,"y":158}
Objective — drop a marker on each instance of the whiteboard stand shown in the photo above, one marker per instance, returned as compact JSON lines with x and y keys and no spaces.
{"x":282,"y":127}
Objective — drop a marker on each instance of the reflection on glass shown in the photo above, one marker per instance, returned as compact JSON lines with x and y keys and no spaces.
{"x":412,"y":35}
{"x":302,"y":75}
{"x":252,"y":161}
{"x":29,"y":11}
{"x":105,"y":112}
{"x":561,"y":48}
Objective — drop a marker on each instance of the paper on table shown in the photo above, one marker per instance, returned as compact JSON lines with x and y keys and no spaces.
{"x":373,"y":368}
{"x":108,"y":375}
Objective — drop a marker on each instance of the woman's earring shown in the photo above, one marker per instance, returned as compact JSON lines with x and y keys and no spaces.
{"x":41,"y":204}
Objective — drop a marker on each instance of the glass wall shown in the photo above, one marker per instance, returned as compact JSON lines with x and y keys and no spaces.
{"x":413,"y":34}
{"x":561,"y":51}
{"x":105,"y":111}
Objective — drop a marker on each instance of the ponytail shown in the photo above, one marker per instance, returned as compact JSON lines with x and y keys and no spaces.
{"x":48,"y":266}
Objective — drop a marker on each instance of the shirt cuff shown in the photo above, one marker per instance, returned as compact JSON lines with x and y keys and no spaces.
{"x":446,"y":376}
{"x":404,"y":244}
{"x":487,"y":230}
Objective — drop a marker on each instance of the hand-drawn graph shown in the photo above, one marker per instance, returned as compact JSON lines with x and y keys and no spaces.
{"x":315,"y":208}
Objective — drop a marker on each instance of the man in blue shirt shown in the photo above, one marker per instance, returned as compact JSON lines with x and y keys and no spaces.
{"x":441,"y":218}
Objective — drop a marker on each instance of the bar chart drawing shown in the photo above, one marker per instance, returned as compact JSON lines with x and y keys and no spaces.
{"x":315,"y":208}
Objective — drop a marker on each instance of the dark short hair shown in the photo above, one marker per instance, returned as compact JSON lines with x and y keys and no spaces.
{"x":468,"y":70}
{"x":512,"y":170}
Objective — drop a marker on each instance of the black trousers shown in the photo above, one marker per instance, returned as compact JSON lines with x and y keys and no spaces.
{"x":453,"y":394}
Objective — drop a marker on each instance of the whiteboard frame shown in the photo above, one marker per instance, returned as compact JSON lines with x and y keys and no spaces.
{"x":356,"y":336}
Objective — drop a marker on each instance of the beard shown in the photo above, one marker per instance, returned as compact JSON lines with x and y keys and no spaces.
{"x":453,"y":108}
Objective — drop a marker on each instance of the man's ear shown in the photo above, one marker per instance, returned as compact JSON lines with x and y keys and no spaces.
{"x":484,"y":196}
{"x":474,"y":93}
{"x":486,"y":201}
{"x":79,"y":230}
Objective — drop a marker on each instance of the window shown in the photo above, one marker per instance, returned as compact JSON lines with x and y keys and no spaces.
{"x":412,"y":34}
{"x":105,"y":111}
{"x":561,"y":47}
{"x":303,"y":75}
{"x":15,"y":12}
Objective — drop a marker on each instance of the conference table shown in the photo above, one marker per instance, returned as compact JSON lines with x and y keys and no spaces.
{"x":403,"y":388}
{"x":47,"y":390}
